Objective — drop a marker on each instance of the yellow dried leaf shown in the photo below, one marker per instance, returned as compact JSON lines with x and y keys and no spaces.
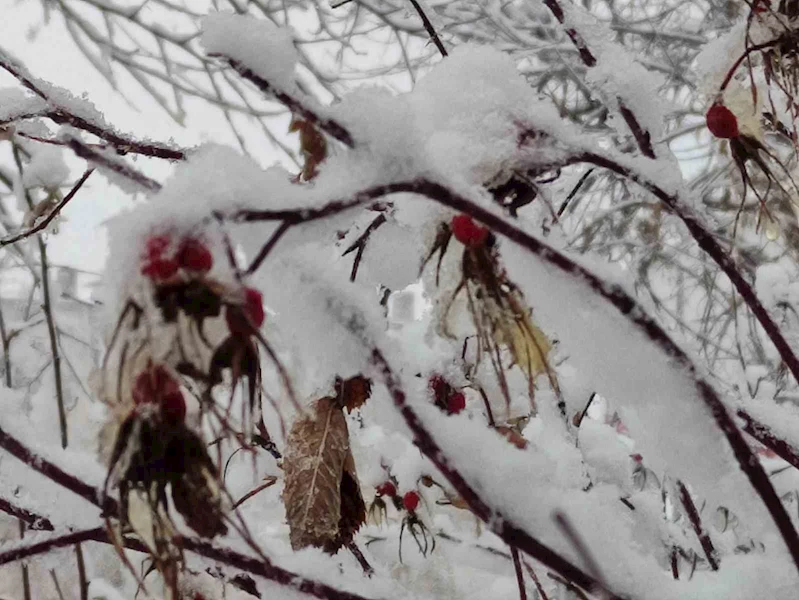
{"x":528,"y":345}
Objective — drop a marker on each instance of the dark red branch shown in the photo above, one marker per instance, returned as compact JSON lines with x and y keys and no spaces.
{"x":329,"y":126}
{"x":33,"y":521}
{"x":63,"y":117}
{"x":88,"y":153}
{"x":696,"y":522}
{"x":764,"y":435}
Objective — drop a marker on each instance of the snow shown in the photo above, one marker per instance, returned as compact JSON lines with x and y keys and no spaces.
{"x":256,"y":43}
{"x":46,"y":168}
{"x":16,"y":104}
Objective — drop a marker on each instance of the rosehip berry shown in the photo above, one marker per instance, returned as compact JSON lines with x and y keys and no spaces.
{"x":160,"y":269}
{"x":410,"y":501}
{"x":254,"y":305}
{"x":173,"y":407}
{"x":722,"y":122}
{"x":467,"y":232}
{"x":242,"y":319}
{"x":456,"y":403}
{"x":437,"y":385}
{"x":387,"y":489}
{"x":194,"y":256}
{"x":156,"y":245}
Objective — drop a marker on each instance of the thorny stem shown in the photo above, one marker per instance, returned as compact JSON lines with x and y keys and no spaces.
{"x":33,"y":521}
{"x":696,"y":522}
{"x":497,"y":522}
{"x":359,"y":245}
{"x":641,"y":135}
{"x":329,"y":126}
{"x":431,"y":31}
{"x":88,"y":153}
{"x":48,"y":313}
{"x":43,"y":223}
{"x":63,"y":116}
{"x":763,"y":435}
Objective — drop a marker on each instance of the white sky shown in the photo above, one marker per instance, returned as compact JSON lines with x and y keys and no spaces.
{"x":49,"y":53}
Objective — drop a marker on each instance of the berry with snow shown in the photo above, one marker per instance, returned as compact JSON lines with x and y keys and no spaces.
{"x":160,"y":269}
{"x":194,"y":256}
{"x":387,"y":489}
{"x":456,"y":403}
{"x":467,"y":232}
{"x":156,"y":245}
{"x":410,"y":501}
{"x":721,"y":122}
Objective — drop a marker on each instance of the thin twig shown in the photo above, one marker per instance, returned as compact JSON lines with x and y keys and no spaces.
{"x":360,"y":243}
{"x":431,"y":31}
{"x":48,"y":313}
{"x":517,"y":566}
{"x":267,"y":248}
{"x":88,"y":153}
{"x":83,"y":582}
{"x":43,"y":223}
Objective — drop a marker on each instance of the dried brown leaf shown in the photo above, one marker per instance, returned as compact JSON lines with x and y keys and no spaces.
{"x":316,"y":452}
{"x":353,"y":509}
{"x":353,"y":392}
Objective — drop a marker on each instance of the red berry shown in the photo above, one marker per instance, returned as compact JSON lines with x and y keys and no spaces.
{"x":160,"y":269}
{"x":410,"y":501}
{"x":467,"y":232}
{"x":456,"y":403}
{"x":254,"y":305}
{"x":722,"y":122}
{"x":438,"y":385}
{"x":242,"y":319}
{"x":194,"y":256}
{"x":387,"y":489}
{"x":156,"y":245}
{"x":173,"y":407}
{"x":761,"y":6}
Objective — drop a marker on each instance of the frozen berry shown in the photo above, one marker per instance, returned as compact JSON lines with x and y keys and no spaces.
{"x":467,"y":232}
{"x":456,"y":403}
{"x":160,"y":269}
{"x":156,"y":245}
{"x":194,"y":256}
{"x":438,"y":385}
{"x":410,"y":501}
{"x":722,"y":122}
{"x":387,"y":489}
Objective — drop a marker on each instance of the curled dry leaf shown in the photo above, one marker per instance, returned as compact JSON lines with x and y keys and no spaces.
{"x":313,"y":146}
{"x":324,"y":506}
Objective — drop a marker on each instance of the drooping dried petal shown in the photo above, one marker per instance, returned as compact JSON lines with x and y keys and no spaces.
{"x":316,"y":452}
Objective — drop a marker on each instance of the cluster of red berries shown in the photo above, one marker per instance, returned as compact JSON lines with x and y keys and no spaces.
{"x":722,"y":122}
{"x":467,"y":232}
{"x":155,"y":385}
{"x":410,"y":500}
{"x":445,"y":396}
{"x":192,"y":255}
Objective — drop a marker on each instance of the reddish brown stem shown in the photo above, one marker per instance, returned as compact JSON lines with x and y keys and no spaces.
{"x":764,"y":435}
{"x":33,"y":521}
{"x":696,"y":522}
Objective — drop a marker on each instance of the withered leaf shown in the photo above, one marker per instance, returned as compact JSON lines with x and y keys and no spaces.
{"x":316,"y":452}
{"x":353,"y":392}
{"x":312,"y":144}
{"x":353,"y":509}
